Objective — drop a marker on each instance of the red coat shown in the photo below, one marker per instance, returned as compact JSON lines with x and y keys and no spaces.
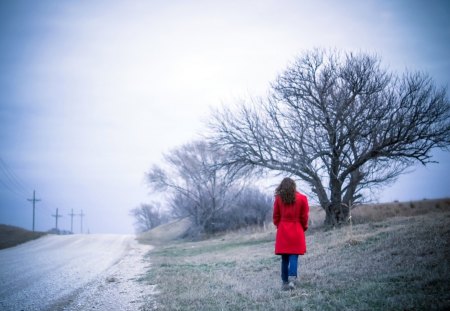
{"x":291,"y":221}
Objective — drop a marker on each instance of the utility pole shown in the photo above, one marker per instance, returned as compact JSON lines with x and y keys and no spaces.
{"x":71,"y":220}
{"x":81,"y":216}
{"x":56,"y":220}
{"x":34,"y":200}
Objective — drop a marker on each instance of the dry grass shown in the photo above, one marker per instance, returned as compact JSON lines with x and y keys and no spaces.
{"x":165,"y":233}
{"x":11,"y":236}
{"x":377,"y":212}
{"x":399,"y":263}
{"x":382,"y":211}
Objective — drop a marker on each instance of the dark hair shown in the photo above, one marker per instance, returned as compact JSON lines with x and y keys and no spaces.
{"x":286,"y":190}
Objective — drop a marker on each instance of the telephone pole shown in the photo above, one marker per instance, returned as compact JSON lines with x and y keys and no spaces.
{"x":56,"y":220}
{"x":81,"y":216}
{"x":34,"y":200}
{"x":71,"y":220}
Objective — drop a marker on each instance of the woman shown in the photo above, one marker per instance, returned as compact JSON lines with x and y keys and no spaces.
{"x":290,"y":216}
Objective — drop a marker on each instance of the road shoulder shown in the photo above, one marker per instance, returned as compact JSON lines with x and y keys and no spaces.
{"x":118,"y":288}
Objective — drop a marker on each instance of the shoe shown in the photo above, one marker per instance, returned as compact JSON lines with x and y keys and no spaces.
{"x":292,"y":282}
{"x":285,"y":286}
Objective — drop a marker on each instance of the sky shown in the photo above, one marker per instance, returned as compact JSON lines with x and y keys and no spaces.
{"x":93,"y":93}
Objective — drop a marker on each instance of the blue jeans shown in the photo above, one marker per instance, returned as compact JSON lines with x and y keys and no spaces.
{"x":289,"y":265}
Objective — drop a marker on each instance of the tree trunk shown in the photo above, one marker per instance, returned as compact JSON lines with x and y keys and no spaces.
{"x":330,"y":216}
{"x":336,"y":213}
{"x":350,"y":194}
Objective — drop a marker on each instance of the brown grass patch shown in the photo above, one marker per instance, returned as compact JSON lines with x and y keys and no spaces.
{"x":382,"y":211}
{"x":11,"y":236}
{"x":374,"y":212}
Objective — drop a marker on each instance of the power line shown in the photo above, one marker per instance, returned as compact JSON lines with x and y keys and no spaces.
{"x":34,"y":200}
{"x":81,"y":220}
{"x":8,"y":183}
{"x":71,"y":220}
{"x":56,"y":219}
{"x":12,"y":183}
{"x":10,"y":189}
{"x":49,"y":206}
{"x":9,"y":178}
{"x":12,"y":178}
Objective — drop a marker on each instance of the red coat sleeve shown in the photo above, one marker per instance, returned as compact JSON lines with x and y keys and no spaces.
{"x":276,"y":212}
{"x":304,"y":214}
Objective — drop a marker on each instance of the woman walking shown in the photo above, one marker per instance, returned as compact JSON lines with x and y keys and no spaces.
{"x":290,"y":216}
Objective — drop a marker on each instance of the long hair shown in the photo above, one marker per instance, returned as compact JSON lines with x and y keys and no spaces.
{"x":286,"y":190}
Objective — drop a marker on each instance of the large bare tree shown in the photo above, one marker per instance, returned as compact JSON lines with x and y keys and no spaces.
{"x":339,"y":122}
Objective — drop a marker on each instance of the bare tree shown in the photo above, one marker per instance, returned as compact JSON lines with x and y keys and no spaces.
{"x":148,"y":216}
{"x":339,"y":122}
{"x":200,"y":188}
{"x":252,"y":207}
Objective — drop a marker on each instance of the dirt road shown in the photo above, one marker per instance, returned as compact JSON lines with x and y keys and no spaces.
{"x":76,"y":272}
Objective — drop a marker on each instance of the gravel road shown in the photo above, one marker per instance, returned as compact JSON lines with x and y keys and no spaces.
{"x":74,"y":272}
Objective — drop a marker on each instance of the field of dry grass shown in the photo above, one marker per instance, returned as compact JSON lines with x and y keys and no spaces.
{"x":392,"y":262}
{"x":11,"y":236}
{"x":377,"y":212}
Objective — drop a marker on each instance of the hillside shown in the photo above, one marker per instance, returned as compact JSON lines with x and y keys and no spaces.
{"x":399,"y":262}
{"x":12,"y":236}
{"x":165,"y":233}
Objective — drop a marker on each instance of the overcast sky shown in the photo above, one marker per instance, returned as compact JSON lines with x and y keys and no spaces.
{"x":92,"y":93}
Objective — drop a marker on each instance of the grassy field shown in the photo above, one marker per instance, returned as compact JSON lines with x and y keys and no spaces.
{"x":384,"y":262}
{"x":12,"y":236}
